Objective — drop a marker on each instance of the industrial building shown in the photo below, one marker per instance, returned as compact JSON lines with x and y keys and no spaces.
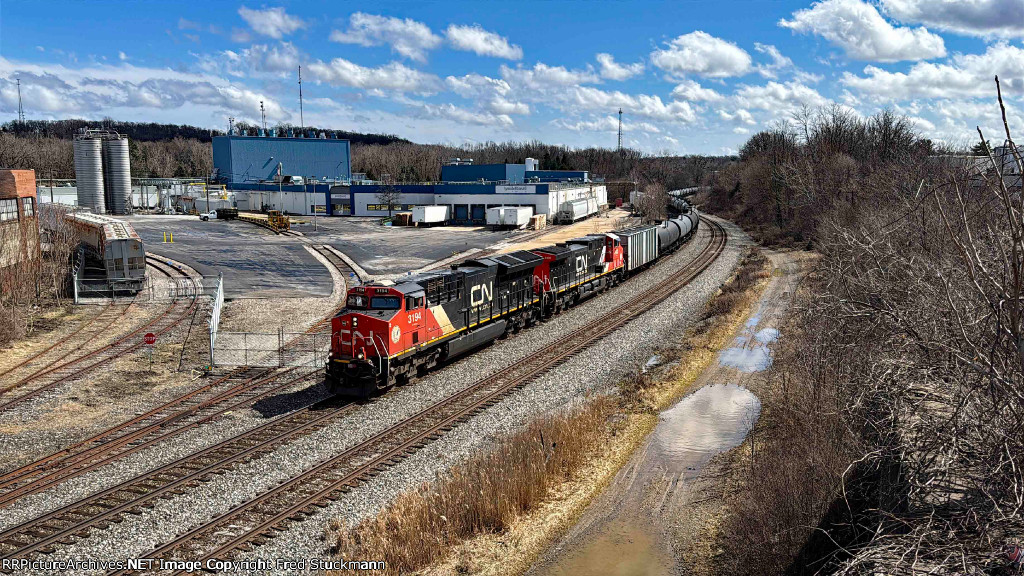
{"x":469,"y":190}
{"x":293,"y":175}
{"x":19,"y":220}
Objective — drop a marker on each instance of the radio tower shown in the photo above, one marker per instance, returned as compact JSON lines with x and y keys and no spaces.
{"x":302,"y":123}
{"x":620,"y":129}
{"x":21,"y":111}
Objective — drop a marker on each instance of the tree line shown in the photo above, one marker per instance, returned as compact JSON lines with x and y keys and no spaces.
{"x":166,"y":151}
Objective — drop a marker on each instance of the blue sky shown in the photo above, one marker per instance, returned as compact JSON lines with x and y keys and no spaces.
{"x":691,"y":76}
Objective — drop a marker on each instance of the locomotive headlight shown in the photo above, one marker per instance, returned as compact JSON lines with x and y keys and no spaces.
{"x":355,"y":321}
{"x":360,"y":355}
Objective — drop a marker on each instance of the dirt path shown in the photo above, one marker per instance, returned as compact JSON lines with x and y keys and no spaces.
{"x":631,"y":528}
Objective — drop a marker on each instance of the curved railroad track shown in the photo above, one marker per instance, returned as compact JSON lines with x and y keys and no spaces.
{"x":50,"y":377}
{"x":238,"y":389}
{"x":260,"y":519}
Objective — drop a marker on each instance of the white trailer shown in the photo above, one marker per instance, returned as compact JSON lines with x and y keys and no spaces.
{"x":509,"y":216}
{"x":574,"y":210}
{"x":430,"y":215}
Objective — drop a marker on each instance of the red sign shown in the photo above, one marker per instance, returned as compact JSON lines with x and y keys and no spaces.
{"x":150,"y":339}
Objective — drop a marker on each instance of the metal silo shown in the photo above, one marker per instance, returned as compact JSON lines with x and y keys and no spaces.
{"x":89,"y":173}
{"x":117,"y":174}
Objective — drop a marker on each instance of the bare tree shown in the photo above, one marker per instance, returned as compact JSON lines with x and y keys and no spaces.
{"x":388,"y":196}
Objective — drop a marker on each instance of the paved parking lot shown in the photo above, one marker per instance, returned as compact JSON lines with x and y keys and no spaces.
{"x":388,"y":250}
{"x":255,"y":262}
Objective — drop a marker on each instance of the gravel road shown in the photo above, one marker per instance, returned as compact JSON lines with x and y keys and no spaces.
{"x":597,"y":369}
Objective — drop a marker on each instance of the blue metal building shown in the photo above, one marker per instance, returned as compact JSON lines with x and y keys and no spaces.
{"x":511,"y":173}
{"x":251,"y":159}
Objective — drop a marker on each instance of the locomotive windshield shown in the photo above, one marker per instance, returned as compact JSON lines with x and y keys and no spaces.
{"x":385,"y":303}
{"x":356,"y":301}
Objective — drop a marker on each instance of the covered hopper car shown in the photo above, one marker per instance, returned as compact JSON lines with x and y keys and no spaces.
{"x":116,"y":245}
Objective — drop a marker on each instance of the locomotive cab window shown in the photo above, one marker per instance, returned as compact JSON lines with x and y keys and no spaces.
{"x":356,"y":301}
{"x":413,"y":303}
{"x":386,"y":302}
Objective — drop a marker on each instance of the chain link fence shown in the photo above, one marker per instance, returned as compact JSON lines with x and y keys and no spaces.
{"x":270,"y":349}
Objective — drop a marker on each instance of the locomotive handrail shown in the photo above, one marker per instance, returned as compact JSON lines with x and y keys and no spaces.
{"x":380,"y":357}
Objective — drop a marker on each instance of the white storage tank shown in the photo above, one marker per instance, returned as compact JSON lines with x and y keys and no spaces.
{"x":117,"y":174}
{"x":89,"y":173}
{"x":428,"y":215}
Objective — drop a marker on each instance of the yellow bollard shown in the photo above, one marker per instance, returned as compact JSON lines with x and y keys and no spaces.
{"x":172,"y":237}
{"x":165,"y":237}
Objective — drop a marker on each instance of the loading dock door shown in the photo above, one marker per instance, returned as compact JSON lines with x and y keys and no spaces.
{"x":479,"y":213}
{"x":461,"y":213}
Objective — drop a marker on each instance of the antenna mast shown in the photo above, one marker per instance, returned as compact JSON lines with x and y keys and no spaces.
{"x":620,"y":129}
{"x":21,"y":111}
{"x":231,"y":125}
{"x":302,"y":122}
{"x":263,"y":114}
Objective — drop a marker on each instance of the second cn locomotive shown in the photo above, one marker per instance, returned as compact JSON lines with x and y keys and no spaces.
{"x":389,"y":333}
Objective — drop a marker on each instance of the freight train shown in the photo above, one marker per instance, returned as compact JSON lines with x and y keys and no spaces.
{"x":389,"y":333}
{"x":117,"y":247}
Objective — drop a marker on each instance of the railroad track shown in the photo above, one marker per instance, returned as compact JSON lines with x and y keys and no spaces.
{"x":351,"y":278}
{"x":260,"y":519}
{"x":238,"y":389}
{"x":241,"y":389}
{"x":99,"y":510}
{"x":50,"y":377}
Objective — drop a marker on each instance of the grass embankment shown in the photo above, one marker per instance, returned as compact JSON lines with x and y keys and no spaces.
{"x":498,"y":511}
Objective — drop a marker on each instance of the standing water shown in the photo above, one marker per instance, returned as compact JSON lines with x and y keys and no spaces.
{"x":714,"y":419}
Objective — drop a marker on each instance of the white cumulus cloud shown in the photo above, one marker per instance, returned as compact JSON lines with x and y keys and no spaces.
{"x":694,"y":92}
{"x":612,"y":70}
{"x":272,"y":22}
{"x":407,"y":37}
{"x":702,"y":54}
{"x":542,"y":76}
{"x":779,"y":98}
{"x":863,"y":33}
{"x":390,"y":77}
{"x":964,"y":75}
{"x":484,"y":43}
{"x":1003,"y":18}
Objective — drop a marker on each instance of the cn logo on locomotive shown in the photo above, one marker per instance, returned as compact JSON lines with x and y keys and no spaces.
{"x":396,"y":333}
{"x":480,"y":293}
{"x":581,"y":265}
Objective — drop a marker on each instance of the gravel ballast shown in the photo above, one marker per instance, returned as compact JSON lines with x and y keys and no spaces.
{"x":596,"y":369}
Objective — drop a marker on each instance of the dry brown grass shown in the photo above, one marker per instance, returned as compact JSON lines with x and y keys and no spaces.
{"x":485,"y":494}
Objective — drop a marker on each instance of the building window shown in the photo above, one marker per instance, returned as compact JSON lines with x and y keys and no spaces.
{"x":27,"y":207}
{"x":8,"y":210}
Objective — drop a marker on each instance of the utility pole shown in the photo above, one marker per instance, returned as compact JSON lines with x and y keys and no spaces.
{"x":21,"y":111}
{"x":263,"y":114}
{"x":302,"y":122}
{"x":620,"y":129}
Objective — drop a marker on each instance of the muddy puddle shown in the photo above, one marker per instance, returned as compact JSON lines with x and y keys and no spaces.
{"x":622,"y":548}
{"x":714,"y":419}
{"x":749,"y":351}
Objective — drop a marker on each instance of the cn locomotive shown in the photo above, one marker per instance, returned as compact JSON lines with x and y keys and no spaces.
{"x":389,"y":333}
